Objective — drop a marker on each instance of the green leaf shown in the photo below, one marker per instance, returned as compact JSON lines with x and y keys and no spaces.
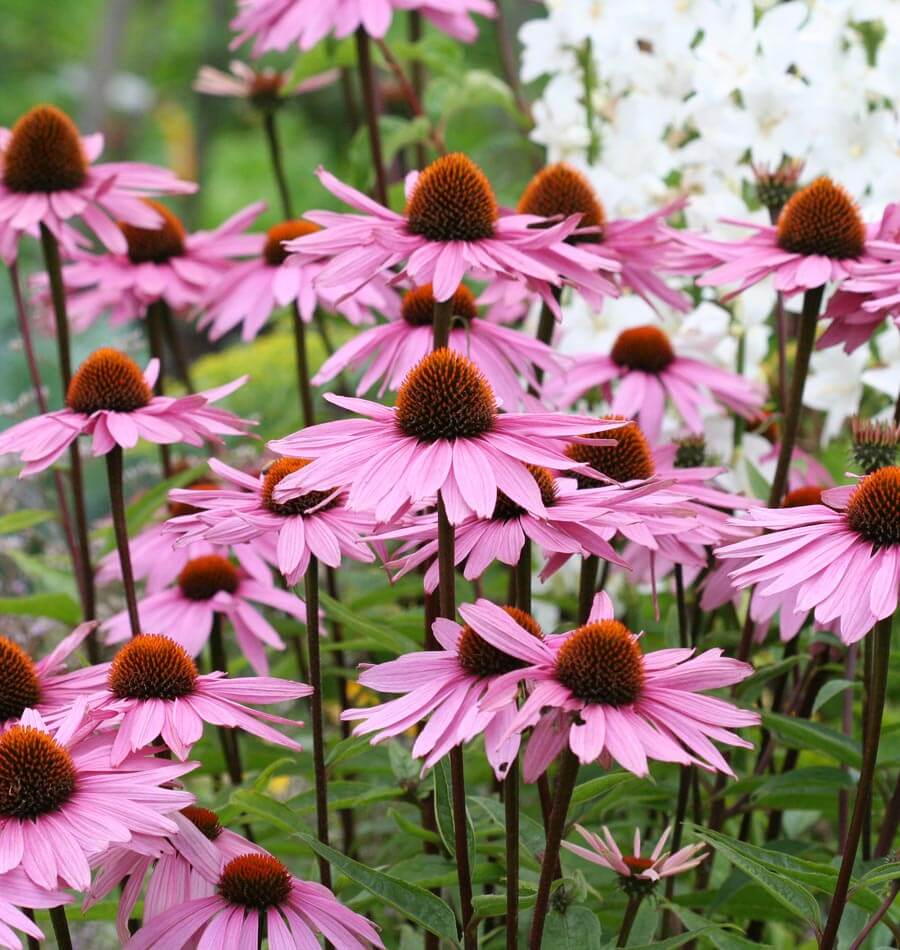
{"x":813,"y":788}
{"x":831,"y":689}
{"x":343,"y":795}
{"x":347,"y":749}
{"x":443,"y":809}
{"x":794,"y":897}
{"x":678,"y":941}
{"x":412,"y":828}
{"x":377,"y":637}
{"x":44,"y":578}
{"x":597,"y":787}
{"x":494,"y":905}
{"x":53,"y":606}
{"x":802,"y":734}
{"x":577,"y":928}
{"x":420,"y":906}
{"x":23,"y":519}
{"x":718,"y":936}
{"x":531,"y":832}
{"x":881,"y":874}
{"x":274,"y":812}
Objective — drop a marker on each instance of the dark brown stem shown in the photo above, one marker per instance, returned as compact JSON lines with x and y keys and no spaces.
{"x":877,"y":917}
{"x":806,"y":338}
{"x":176,"y":347}
{"x":876,"y":686}
{"x":155,"y":331}
{"x":565,"y":785}
{"x":284,"y":193}
{"x":114,"y":469}
{"x":61,"y":928}
{"x":508,"y":64}
{"x":218,"y":659}
{"x":890,"y":824}
{"x":367,"y":79}
{"x":33,"y":943}
{"x":631,"y":912}
{"x":587,"y":586}
{"x":304,"y":388}
{"x":443,"y":320}
{"x":311,"y":583}
{"x":418,"y":75}
{"x":546,"y":327}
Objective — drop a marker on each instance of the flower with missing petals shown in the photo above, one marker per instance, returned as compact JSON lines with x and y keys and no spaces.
{"x":263,"y":88}
{"x":110,"y":400}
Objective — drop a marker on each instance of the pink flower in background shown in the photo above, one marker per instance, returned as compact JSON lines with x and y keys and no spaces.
{"x":451,"y":227}
{"x":256,"y":894}
{"x":263,"y":87}
{"x":506,"y":356}
{"x":609,"y":701}
{"x":48,"y":176}
{"x":248,"y":293}
{"x":61,"y":802}
{"x":841,"y":558}
{"x":209,"y":588}
{"x":315,"y":524}
{"x":446,"y":685}
{"x":279,"y":24}
{"x":18,"y":891}
{"x":44,"y":685}
{"x":445,"y":434}
{"x":110,"y":400}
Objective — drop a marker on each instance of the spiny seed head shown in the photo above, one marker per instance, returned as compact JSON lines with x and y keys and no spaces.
{"x":155,"y":245}
{"x":645,"y":348}
{"x":205,"y":820}
{"x":480,"y":658}
{"x":445,"y":396}
{"x":108,"y":379}
{"x":152,"y":666}
{"x":602,"y":663}
{"x":822,"y":219}
{"x":506,"y":509}
{"x":204,"y":577}
{"x":561,"y":189}
{"x":452,"y":201}
{"x":805,"y":495}
{"x":628,"y":460}
{"x":274,"y":251}
{"x":874,"y":507}
{"x":178,"y":508}
{"x":418,"y":305}
{"x":258,"y":881}
{"x":44,"y":153}
{"x":690,"y":451}
{"x":275,"y":472}
{"x":875,"y":444}
{"x":775,"y":186}
{"x":19,"y":686}
{"x":37,"y":775}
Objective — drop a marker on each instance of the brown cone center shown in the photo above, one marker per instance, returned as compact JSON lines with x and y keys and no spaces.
{"x":204,"y":577}
{"x":644,"y":348}
{"x":274,"y":251}
{"x":258,"y":881}
{"x":300,"y":505}
{"x":37,"y":775}
{"x":480,"y":658}
{"x":418,"y":305}
{"x":152,"y":666}
{"x":874,"y":507}
{"x":19,"y":686}
{"x":108,"y":379}
{"x":822,"y":219}
{"x":602,"y":663}
{"x":452,"y":201}
{"x":44,"y":153}
{"x":155,"y":245}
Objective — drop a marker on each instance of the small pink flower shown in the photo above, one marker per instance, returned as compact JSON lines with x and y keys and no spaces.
{"x":445,"y":434}
{"x":61,"y":802}
{"x":18,"y":891}
{"x":207,"y":588}
{"x":110,"y":400}
{"x":609,"y":701}
{"x":280,"y":24}
{"x":153,"y":689}
{"x":451,"y":226}
{"x":506,"y":356}
{"x":48,"y":177}
{"x":445,"y":686}
{"x":840,"y":558}
{"x":265,"y":88}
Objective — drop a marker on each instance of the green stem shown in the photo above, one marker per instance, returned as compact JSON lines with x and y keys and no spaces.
{"x":284,"y":193}
{"x":304,"y":387}
{"x":114,"y":473}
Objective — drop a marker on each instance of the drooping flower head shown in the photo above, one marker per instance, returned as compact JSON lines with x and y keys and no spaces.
{"x":445,"y":435}
{"x":48,"y":177}
{"x":839,"y":558}
{"x":263,"y":88}
{"x":505,"y":355}
{"x":451,"y":226}
{"x":610,"y":701}
{"x":112,"y":401}
{"x":444,"y":686}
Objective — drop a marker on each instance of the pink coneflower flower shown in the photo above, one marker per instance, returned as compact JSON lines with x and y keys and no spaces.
{"x":249,"y":292}
{"x":506,"y":356}
{"x":263,"y":88}
{"x":446,"y":685}
{"x":280,"y":24}
{"x":641,"y":246}
{"x":451,"y":226}
{"x":445,"y":434}
{"x":317,"y":524}
{"x":17,"y":891}
{"x":642,"y":373}
{"x":110,"y":400}
{"x":819,"y":238}
{"x":256,"y":894}
{"x":609,"y":700}
{"x":842,"y":556}
{"x":48,"y":177}
{"x":637,"y":874}
{"x":44,"y":685}
{"x":153,"y":689}
{"x":209,"y":587}
{"x":166,"y":264}
{"x":61,"y":802}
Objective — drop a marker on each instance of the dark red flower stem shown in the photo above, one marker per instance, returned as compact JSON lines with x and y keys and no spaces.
{"x":876,"y":687}
{"x":806,"y":338}
{"x":155,"y":331}
{"x":61,"y":928}
{"x":631,"y":912}
{"x":370,"y":105}
{"x":270,"y":126}
{"x":565,"y":785}
{"x":53,"y":263}
{"x":114,"y":474}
